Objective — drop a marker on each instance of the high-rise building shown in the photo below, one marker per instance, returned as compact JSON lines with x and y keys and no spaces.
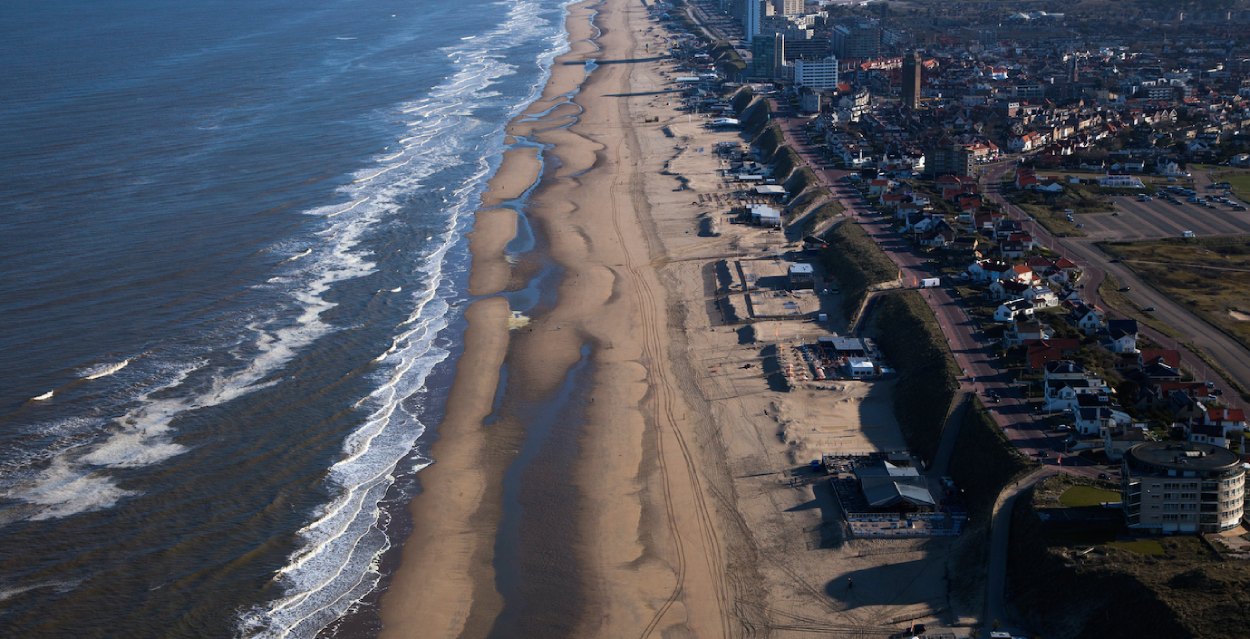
{"x":947,"y":159}
{"x":768,"y":54}
{"x":912,"y":67}
{"x":816,"y":74}
{"x":752,"y":12}
{"x":859,"y":40}
{"x":807,"y":49}
{"x":788,"y":7}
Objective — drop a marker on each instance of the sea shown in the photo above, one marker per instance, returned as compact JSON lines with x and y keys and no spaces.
{"x":232,"y":270}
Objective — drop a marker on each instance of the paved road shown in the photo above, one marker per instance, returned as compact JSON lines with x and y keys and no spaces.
{"x":973,"y":353}
{"x":1000,"y":534}
{"x":1224,"y":350}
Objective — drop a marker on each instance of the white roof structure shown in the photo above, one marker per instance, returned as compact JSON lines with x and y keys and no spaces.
{"x":770,"y":189}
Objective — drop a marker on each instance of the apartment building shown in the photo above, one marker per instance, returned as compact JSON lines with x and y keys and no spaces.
{"x":1174,"y":487}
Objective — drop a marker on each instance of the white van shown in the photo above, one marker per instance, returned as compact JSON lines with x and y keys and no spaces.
{"x":1187,"y":234}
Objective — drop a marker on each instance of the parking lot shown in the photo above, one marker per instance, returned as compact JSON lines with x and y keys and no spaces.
{"x":1158,"y":218}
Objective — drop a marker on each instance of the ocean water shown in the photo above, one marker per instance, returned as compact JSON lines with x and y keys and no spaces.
{"x":231,"y":273}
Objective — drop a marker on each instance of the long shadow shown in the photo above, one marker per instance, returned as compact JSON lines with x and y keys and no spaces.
{"x":620,"y":61}
{"x":889,"y":583}
{"x":641,"y":93}
{"x":772,"y":370}
{"x":830,"y":515}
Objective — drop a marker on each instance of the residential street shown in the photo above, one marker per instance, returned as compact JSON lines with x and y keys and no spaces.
{"x":1224,"y":350}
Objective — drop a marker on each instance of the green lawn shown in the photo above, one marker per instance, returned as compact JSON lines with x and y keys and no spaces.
{"x":1077,"y":496}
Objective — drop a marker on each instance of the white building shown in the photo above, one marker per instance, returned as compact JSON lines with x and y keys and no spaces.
{"x":816,"y":74}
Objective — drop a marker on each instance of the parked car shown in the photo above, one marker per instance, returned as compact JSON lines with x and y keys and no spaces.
{"x":1104,"y":476}
{"x":1125,"y":289}
{"x":1149,"y":309}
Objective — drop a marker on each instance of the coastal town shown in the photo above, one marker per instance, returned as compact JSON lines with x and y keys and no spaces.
{"x":940,"y":250}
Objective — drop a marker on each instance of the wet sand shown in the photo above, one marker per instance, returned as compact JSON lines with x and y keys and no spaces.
{"x":618,"y":466}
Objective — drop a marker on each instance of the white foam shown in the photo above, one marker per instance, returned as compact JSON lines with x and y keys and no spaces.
{"x":301,"y":254}
{"x":64,"y":490}
{"x":44,"y":397}
{"x":336,"y":564}
{"x":104,"y":370}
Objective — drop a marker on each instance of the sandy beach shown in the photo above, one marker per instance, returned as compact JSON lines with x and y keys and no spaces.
{"x":634,"y":471}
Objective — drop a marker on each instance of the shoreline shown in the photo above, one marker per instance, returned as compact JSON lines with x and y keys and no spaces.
{"x":445,"y":583}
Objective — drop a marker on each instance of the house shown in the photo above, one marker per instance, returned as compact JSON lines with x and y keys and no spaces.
{"x":1065,"y":382}
{"x":1185,"y":406}
{"x":985,"y":221}
{"x":1041,"y":297}
{"x":939,"y":235}
{"x":1013,"y":310}
{"x":1159,"y":370}
{"x":1006,"y":289}
{"x":1020,"y":332}
{"x":1170,"y":357}
{"x":1121,"y":336}
{"x":989,"y":270}
{"x":1092,"y":420}
{"x":1022,"y":273}
{"x":879,"y":186}
{"x":894,"y":201}
{"x":1206,"y":434}
{"x":953,"y":186}
{"x":1050,"y":350}
{"x":1012,"y":249}
{"x":1088,"y":319}
{"x":1227,"y":420}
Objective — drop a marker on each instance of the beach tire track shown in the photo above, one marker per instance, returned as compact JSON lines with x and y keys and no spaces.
{"x":665,"y":418}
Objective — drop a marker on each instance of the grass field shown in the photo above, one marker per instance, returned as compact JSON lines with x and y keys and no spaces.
{"x":1054,"y":221}
{"x":1087,"y":496}
{"x":1210,"y":275}
{"x":1240,"y":181}
{"x":1109,"y":291}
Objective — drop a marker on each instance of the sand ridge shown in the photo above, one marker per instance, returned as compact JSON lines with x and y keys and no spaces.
{"x":687,"y":520}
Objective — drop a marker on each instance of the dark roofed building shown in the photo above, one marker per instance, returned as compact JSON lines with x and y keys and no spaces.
{"x":889,"y":486}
